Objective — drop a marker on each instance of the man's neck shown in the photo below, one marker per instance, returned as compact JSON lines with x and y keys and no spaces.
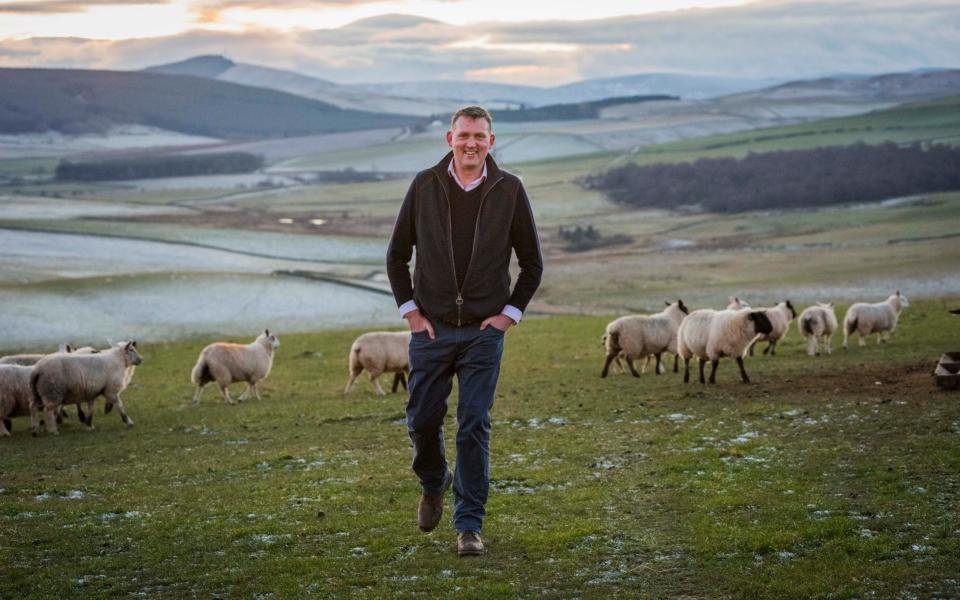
{"x":467,"y":177}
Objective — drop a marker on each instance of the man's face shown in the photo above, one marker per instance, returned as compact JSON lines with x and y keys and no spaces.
{"x":471,"y":140}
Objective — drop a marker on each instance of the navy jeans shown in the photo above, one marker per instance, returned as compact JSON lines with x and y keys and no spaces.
{"x":474,"y":356}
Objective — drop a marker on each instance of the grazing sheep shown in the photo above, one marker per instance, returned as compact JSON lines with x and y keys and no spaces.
{"x":229,"y":363}
{"x":641,"y":336}
{"x":880,"y":318}
{"x":736,"y":303}
{"x":710,"y":334}
{"x":61,"y":379}
{"x":27,"y":360}
{"x":817,"y":323}
{"x":780,"y":317}
{"x":15,"y":394}
{"x":380,"y":352}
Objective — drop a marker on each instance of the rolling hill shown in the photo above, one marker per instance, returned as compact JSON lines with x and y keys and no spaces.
{"x":86,"y":101}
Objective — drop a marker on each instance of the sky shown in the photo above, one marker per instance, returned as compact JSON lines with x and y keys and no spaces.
{"x":503,"y":41}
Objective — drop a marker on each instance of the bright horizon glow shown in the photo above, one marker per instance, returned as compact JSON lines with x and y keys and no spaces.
{"x":126,"y":21}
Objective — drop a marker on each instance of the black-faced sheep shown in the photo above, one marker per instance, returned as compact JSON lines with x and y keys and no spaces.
{"x":641,"y":336}
{"x":880,"y":318}
{"x":817,"y":323}
{"x":780,"y":317}
{"x":711,"y":334}
{"x":230,"y":363}
{"x":61,"y":379}
{"x":380,"y":352}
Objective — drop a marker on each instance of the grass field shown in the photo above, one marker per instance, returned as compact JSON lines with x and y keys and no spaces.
{"x":827,"y":477}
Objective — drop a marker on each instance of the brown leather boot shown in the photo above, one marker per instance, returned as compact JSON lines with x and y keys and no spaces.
{"x":469,"y":543}
{"x":431,"y":507}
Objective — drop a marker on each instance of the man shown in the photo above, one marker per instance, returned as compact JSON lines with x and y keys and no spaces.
{"x":465,"y":216}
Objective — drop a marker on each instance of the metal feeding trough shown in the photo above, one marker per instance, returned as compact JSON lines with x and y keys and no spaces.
{"x":948,"y":371}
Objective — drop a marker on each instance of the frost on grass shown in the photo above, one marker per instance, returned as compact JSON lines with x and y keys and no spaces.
{"x":678,"y":417}
{"x":71,"y":495}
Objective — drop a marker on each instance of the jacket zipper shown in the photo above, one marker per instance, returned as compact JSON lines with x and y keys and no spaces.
{"x":476,"y":229}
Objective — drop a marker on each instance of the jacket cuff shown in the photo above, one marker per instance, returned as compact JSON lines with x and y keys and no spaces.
{"x":408,"y":306}
{"x":513,"y":312}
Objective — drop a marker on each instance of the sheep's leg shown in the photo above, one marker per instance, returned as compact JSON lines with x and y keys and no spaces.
{"x":826,"y":342}
{"x":752,"y":344}
{"x":676,"y":363}
{"x":89,"y":418}
{"x":225,"y":394}
{"x":353,"y":377}
{"x":703,"y":364}
{"x":375,"y":379}
{"x":197,"y":393}
{"x":5,"y":426}
{"x":397,"y":377}
{"x":34,"y":420}
{"x":743,"y":372}
{"x":633,"y":369}
{"x":50,"y":418}
{"x":256,"y":391}
{"x":686,"y":369}
{"x":606,"y":365}
{"x":619,"y":365}
{"x":657,"y":372}
{"x":246,"y":393}
{"x":713,"y":370}
{"x":115,"y":399}
{"x":812,"y":346}
{"x":862,"y":342}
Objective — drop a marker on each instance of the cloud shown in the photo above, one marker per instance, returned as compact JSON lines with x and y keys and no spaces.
{"x":795,"y":39}
{"x":65,"y":6}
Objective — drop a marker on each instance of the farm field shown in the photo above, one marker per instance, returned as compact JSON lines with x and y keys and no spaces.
{"x":832,"y":476}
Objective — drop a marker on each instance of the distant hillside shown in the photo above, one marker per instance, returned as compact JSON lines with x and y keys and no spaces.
{"x":209,"y":66}
{"x":889,"y":87}
{"x":571,"y":112}
{"x":222,"y":69}
{"x":500,"y":96}
{"x":82,"y":101}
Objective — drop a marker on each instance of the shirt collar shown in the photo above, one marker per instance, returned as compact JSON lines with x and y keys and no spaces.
{"x":473,"y":184}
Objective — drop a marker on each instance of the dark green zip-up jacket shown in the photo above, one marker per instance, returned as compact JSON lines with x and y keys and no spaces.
{"x":505,"y":224}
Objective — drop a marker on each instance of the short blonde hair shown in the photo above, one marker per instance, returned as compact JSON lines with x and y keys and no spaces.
{"x":471,"y":112}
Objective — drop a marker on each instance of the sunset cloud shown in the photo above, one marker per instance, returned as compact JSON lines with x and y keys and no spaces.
{"x":772,"y":38}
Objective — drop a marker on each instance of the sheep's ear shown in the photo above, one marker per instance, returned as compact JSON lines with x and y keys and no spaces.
{"x":129,"y":346}
{"x":830,"y":304}
{"x":266,"y":332}
{"x":667,"y":302}
{"x":133,"y":343}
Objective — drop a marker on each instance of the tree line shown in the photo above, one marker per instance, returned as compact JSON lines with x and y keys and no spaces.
{"x":786,"y":178}
{"x":149,"y":167}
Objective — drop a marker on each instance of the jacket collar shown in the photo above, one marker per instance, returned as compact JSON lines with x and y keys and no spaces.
{"x":494,"y":175}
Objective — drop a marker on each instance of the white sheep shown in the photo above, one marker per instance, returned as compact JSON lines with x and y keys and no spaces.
{"x":61,"y":379}
{"x":16,"y":396}
{"x":736,"y":303}
{"x":817,"y":323}
{"x":380,"y":352}
{"x":642,"y":336}
{"x":780,"y":317}
{"x":230,"y":363}
{"x":711,"y":334}
{"x":27,"y":360}
{"x":880,"y":318}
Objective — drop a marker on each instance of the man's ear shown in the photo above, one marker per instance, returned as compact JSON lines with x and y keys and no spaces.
{"x":450,"y":138}
{"x":492,"y":137}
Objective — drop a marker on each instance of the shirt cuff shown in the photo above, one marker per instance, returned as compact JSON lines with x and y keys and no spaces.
{"x":408,"y":306}
{"x":513,"y":312}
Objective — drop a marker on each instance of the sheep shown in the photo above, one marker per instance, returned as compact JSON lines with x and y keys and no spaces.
{"x":15,"y":394}
{"x":62,"y":379}
{"x":780,"y":317}
{"x":27,"y":360}
{"x":817,"y":323}
{"x":880,"y":318}
{"x":711,"y":334}
{"x":229,"y":363}
{"x":736,"y":303}
{"x":636,"y":336}
{"x":380,"y":352}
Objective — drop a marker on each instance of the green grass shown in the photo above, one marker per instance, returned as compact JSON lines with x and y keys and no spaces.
{"x":828,"y":477}
{"x":936,"y":121}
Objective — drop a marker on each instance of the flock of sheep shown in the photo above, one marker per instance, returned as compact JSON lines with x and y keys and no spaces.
{"x":31,"y":384}
{"x":709,"y":335}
